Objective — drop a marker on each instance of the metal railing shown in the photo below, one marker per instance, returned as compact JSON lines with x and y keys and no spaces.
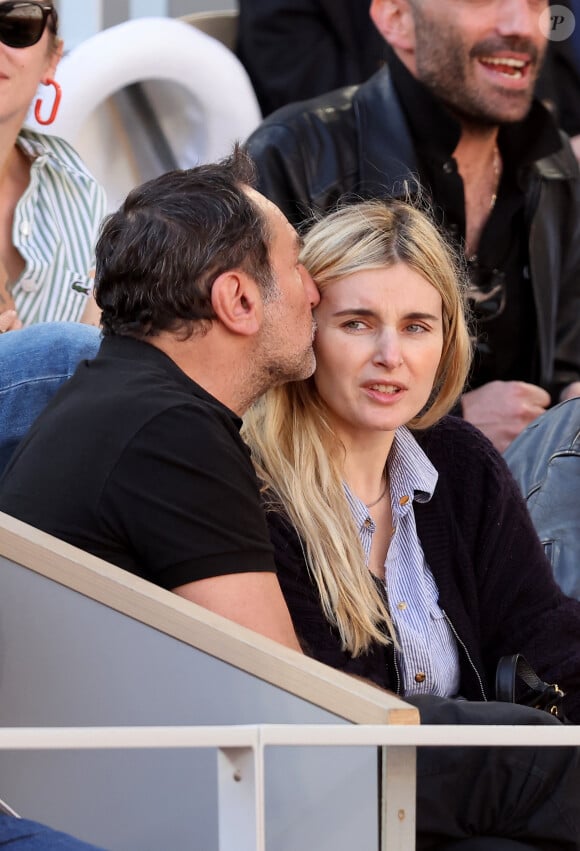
{"x":241,"y":766}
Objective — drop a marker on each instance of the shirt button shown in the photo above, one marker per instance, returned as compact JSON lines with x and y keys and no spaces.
{"x":420,"y":677}
{"x":449,"y":167}
{"x":402,"y":606}
{"x":29,"y":286}
{"x":25,"y":228}
{"x":403,"y":500}
{"x":368,"y":523}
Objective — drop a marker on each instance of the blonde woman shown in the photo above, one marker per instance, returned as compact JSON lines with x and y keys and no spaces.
{"x":403,"y":548}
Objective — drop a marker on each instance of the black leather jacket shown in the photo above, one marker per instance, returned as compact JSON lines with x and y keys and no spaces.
{"x":355,"y":141}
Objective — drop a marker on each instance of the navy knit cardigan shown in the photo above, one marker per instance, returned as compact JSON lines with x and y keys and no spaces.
{"x":495,"y":582}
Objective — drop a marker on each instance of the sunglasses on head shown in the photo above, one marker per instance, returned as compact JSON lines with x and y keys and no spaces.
{"x":486,"y":291}
{"x":22,"y":24}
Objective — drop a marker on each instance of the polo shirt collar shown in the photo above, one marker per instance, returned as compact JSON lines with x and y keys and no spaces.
{"x":128,"y":348}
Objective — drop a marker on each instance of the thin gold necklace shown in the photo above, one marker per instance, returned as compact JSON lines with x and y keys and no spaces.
{"x":496,"y":162}
{"x":376,"y":502}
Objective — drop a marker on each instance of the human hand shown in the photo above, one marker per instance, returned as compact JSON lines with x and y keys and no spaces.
{"x":575,"y":142}
{"x":571,"y":391}
{"x":502,"y":409}
{"x":92,"y":313}
{"x":9,"y":321}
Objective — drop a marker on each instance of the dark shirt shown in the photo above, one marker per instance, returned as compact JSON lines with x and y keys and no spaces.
{"x":137,"y":464}
{"x":501,"y":294}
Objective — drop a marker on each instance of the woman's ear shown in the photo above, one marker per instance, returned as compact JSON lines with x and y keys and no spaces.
{"x":394,"y":21}
{"x":237,"y":302}
{"x":56,"y":52}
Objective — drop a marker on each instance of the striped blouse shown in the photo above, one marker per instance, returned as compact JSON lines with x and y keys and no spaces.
{"x":427,"y":656}
{"x":55,"y":228}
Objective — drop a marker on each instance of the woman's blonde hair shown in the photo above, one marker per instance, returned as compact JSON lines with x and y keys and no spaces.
{"x":295,"y":451}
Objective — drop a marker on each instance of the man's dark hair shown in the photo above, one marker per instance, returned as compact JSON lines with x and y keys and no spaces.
{"x":158,"y":256}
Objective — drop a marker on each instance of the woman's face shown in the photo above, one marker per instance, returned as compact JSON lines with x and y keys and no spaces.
{"x":22,"y":70}
{"x":378,"y":346}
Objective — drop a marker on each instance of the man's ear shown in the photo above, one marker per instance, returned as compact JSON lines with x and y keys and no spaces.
{"x":237,"y":302}
{"x":394,"y":21}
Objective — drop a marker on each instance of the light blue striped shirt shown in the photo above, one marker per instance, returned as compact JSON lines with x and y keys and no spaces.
{"x":427,"y":656}
{"x":55,"y":228}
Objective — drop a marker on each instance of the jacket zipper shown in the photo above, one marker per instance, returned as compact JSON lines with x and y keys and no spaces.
{"x":398,"y":675}
{"x":466,"y":651}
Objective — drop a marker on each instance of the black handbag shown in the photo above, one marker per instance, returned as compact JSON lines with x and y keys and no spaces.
{"x":517,"y":682}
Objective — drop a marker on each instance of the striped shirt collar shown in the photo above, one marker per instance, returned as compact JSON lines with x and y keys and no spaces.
{"x":411,"y":475}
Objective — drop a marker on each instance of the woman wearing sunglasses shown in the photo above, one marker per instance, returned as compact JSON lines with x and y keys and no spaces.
{"x":50,"y":206}
{"x":403,"y":546}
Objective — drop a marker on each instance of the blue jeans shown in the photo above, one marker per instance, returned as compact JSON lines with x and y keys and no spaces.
{"x":24,"y":835}
{"x":34,"y":362}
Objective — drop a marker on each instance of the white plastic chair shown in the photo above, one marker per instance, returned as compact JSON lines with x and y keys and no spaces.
{"x":222,"y":25}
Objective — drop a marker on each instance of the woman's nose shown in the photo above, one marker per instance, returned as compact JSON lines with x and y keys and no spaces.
{"x":389,"y":353}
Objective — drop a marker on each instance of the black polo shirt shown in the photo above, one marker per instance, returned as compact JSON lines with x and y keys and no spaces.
{"x":501,"y":298}
{"x":135,"y":463}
